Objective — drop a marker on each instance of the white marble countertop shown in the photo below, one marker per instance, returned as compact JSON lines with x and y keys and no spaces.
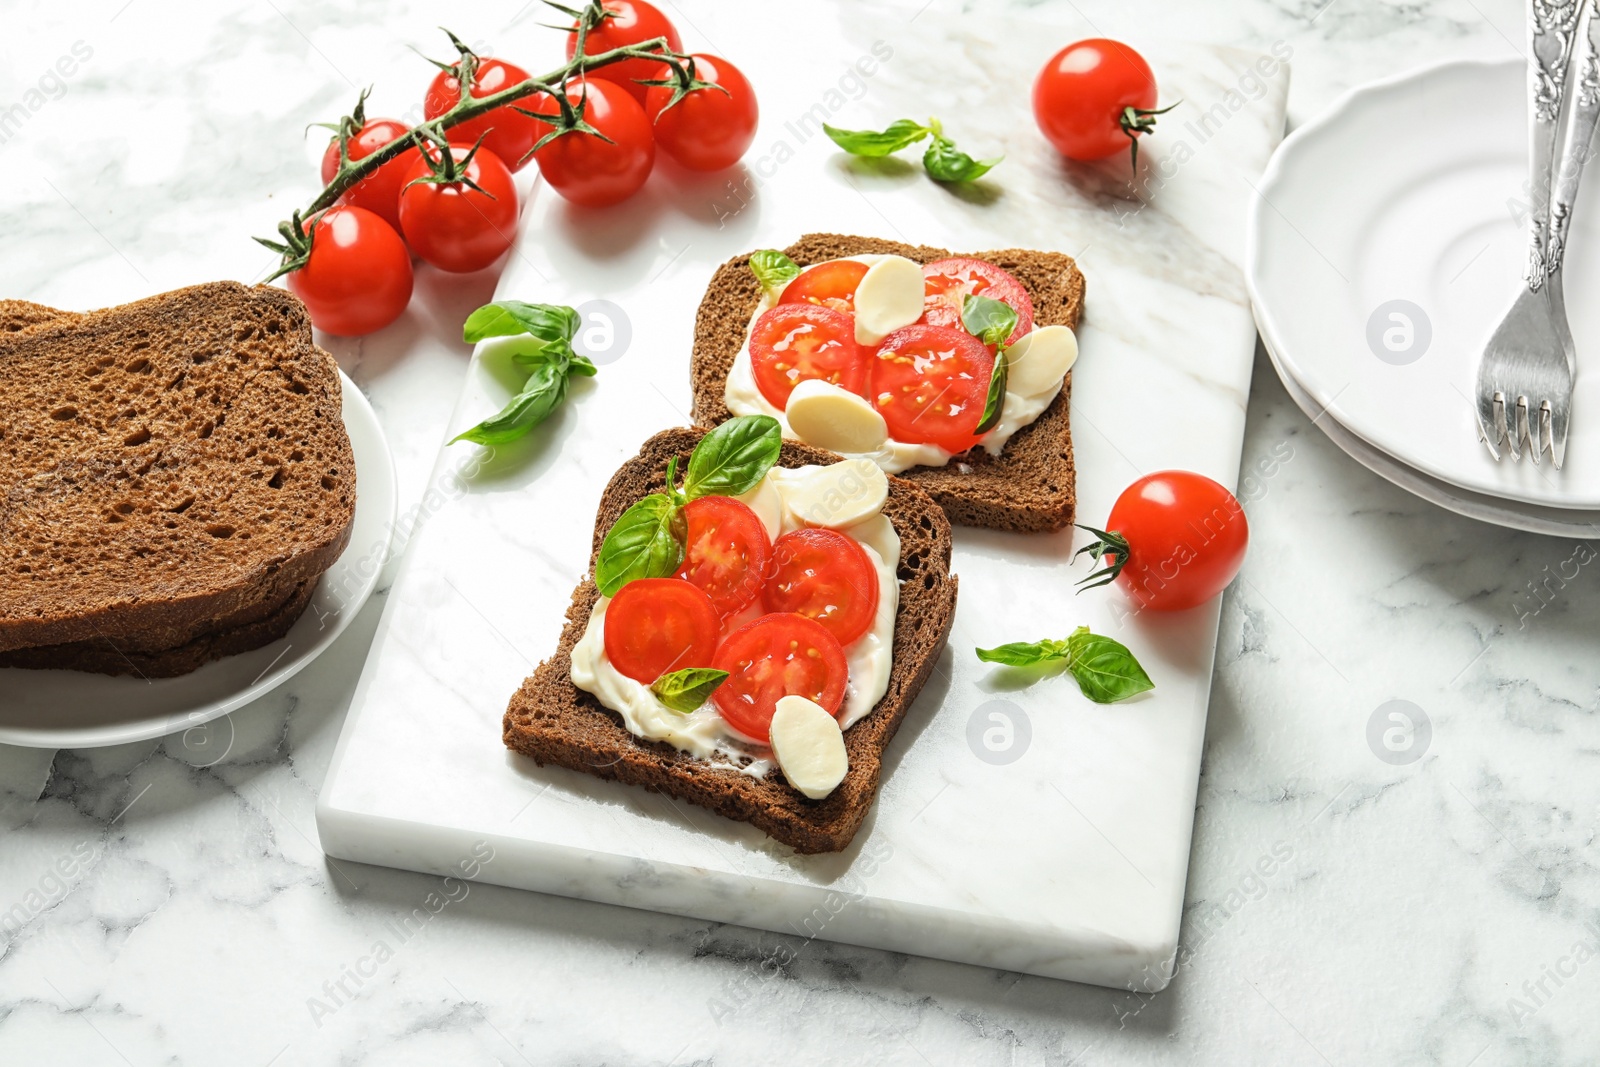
{"x":168,"y":901}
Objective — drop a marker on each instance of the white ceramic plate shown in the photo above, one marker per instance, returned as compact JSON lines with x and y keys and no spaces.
{"x":70,"y":709}
{"x":1410,"y":189}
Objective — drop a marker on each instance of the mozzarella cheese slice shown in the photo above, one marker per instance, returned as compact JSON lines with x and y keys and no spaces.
{"x":888,"y":296}
{"x":827,"y":416}
{"x":838,"y":495}
{"x":1039,"y":361}
{"x":809,"y":746}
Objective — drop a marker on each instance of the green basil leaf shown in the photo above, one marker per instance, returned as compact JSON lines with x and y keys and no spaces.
{"x":643,"y":543}
{"x":581,"y":365}
{"x":734,"y":457}
{"x":773,"y":269}
{"x":1106,"y":671}
{"x":990,"y":321}
{"x":506,"y":318}
{"x":877,"y":143}
{"x":545,"y":389}
{"x":684,"y":691}
{"x":946,"y":163}
{"x":1025,"y":653}
{"x":995,"y":401}
{"x":535,"y":353}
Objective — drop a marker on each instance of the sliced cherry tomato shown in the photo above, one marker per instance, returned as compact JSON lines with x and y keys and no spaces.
{"x":1186,"y":539}
{"x":626,"y":22}
{"x":587,"y":169}
{"x":506,"y":132}
{"x":358,"y":278}
{"x":832,"y":284}
{"x":946,"y":283}
{"x":824,"y":575}
{"x":727,"y":552}
{"x":708,"y":129}
{"x":929,"y":383}
{"x":657,"y":625}
{"x":454,"y":226}
{"x":773,"y":657}
{"x":794,"y":343}
{"x":379,"y":192}
{"x":1094,"y":98}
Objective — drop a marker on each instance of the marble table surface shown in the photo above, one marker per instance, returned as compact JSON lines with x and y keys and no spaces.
{"x":168,"y":901}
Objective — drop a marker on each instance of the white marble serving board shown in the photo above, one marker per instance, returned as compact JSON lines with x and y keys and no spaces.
{"x":1069,"y":861}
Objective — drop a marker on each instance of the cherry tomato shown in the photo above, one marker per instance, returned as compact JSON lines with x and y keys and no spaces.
{"x":379,"y":192}
{"x":1186,"y":539}
{"x":587,"y":170}
{"x":832,"y":284}
{"x":454,"y":226}
{"x":1094,"y":99}
{"x":773,"y":657}
{"x":358,"y":278}
{"x":626,"y":22}
{"x":794,"y":343}
{"x":824,"y":575}
{"x":657,"y":625}
{"x":727,"y":552}
{"x":946,"y":283}
{"x":707,"y":129}
{"x":506,"y":132}
{"x":929,"y":383}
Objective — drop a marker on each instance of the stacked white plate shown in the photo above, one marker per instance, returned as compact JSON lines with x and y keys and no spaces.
{"x":1386,"y":243}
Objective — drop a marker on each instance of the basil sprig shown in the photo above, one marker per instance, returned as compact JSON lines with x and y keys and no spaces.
{"x":549,"y":360}
{"x":684,"y":691}
{"x":991,"y":321}
{"x":773,"y":269}
{"x":942,"y":160}
{"x":648,"y":540}
{"x":1106,"y":671}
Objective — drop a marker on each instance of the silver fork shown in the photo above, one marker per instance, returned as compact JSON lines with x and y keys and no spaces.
{"x":1524,"y":392}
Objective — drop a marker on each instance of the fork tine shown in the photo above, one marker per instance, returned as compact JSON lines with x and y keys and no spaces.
{"x":1558,"y":436}
{"x":1501,"y":435}
{"x":1533,"y":418}
{"x":1516,"y":425}
{"x":1485,"y":416}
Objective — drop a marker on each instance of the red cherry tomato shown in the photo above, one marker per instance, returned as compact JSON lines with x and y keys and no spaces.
{"x":358,"y":278}
{"x":773,"y":657}
{"x":657,"y":625}
{"x":1186,"y":539}
{"x":1082,"y":97}
{"x":727,"y":552}
{"x":832,"y":284}
{"x":929,"y":383}
{"x":946,"y":283}
{"x":794,"y":343}
{"x":505,"y":132}
{"x":626,"y":22}
{"x":454,"y":226}
{"x":587,"y":170}
{"x":379,"y":192}
{"x":707,"y":129}
{"x":824,"y":575}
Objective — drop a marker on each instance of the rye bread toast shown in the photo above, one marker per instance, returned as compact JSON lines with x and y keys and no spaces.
{"x":554,"y":722}
{"x":177,"y":476}
{"x":1029,"y":487}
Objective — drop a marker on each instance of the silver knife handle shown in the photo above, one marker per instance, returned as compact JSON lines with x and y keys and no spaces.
{"x":1579,"y":133}
{"x":1552,"y":32}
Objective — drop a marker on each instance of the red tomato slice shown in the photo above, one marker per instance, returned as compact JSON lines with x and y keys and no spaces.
{"x":947,"y":281}
{"x":829,"y":284}
{"x":727,"y":554}
{"x":773,"y":657}
{"x":793,"y":343}
{"x":824,"y":575}
{"x":929,"y":383}
{"x":656,"y":625}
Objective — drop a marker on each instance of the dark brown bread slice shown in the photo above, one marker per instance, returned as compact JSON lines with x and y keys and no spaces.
{"x":170,"y":467}
{"x":554,"y":721}
{"x":17,"y":315}
{"x":1029,"y":487}
{"x":104,"y":656}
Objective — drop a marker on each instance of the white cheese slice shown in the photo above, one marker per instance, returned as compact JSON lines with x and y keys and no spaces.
{"x":1039,"y":361}
{"x":888,"y":296}
{"x":809,"y":746}
{"x":835,"y":496}
{"x":823,"y":414}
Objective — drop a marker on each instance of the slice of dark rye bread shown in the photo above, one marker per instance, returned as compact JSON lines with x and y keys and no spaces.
{"x":1029,"y":487}
{"x":192,"y":481}
{"x":555,"y":722}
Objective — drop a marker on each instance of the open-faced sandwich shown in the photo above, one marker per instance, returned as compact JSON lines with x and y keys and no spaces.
{"x":950,"y":371}
{"x":758,"y":618}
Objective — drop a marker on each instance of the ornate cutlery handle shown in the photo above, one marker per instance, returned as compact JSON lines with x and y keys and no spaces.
{"x":1575,"y":142}
{"x":1552,"y":32}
